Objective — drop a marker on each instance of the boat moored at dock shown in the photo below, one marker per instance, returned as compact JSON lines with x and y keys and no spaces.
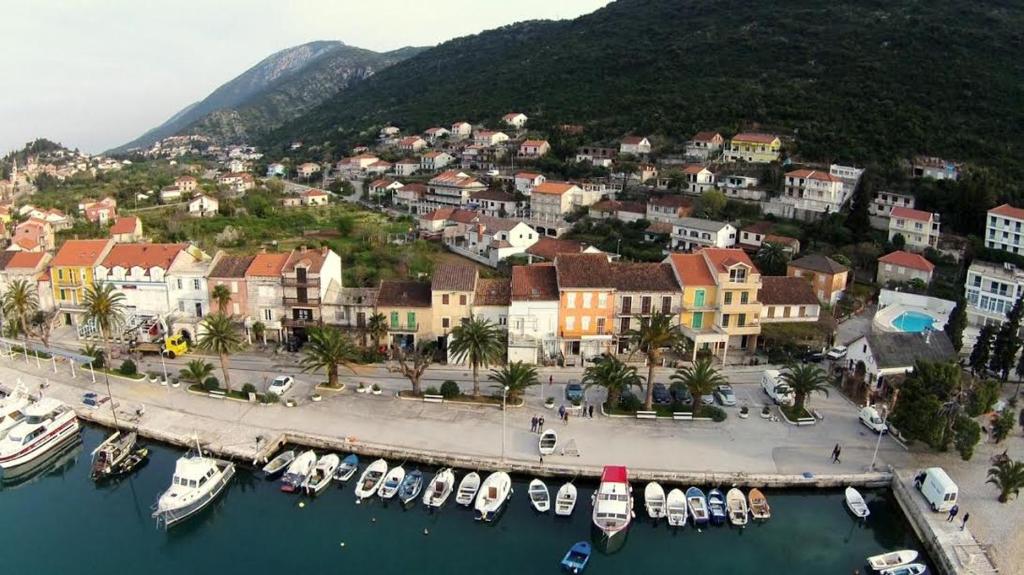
{"x":494,"y":492}
{"x":118,"y":455}
{"x":613,"y":507}
{"x":196,"y":483}
{"x":48,"y":424}
{"x":371,"y":479}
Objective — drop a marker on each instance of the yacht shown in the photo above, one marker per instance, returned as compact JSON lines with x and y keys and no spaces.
{"x":197,"y":482}
{"x":613,"y":507}
{"x":12,"y":410}
{"x":47,"y":425}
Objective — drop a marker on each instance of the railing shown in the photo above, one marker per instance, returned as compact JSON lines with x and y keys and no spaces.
{"x":403,"y":326}
{"x":293,"y":322}
{"x":307,"y":283}
{"x":297,"y":301}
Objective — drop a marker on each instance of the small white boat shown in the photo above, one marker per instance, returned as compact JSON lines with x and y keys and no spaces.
{"x":392,"y":482}
{"x":548,"y":441}
{"x":298,"y":472}
{"x":736,"y":503}
{"x":540,"y":497}
{"x":909,"y":569}
{"x":468,"y":487}
{"x":277,"y":465}
{"x":440,"y":488}
{"x":654,"y":500}
{"x":322,"y":474}
{"x":565,"y":500}
{"x":197,"y":481}
{"x":855,"y":502}
{"x":892,"y":559}
{"x":759,"y":508}
{"x":411,"y":486}
{"x":494,"y":492}
{"x":371,"y":479}
{"x":676,"y":505}
{"x":113,"y":457}
{"x":347,"y":468}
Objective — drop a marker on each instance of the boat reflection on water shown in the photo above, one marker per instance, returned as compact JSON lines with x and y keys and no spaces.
{"x":57,"y":462}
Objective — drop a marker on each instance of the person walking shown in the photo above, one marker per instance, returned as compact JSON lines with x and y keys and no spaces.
{"x":963,"y":522}
{"x":551,"y":380}
{"x":533,"y":424}
{"x":835,"y":454}
{"x":952,"y":513}
{"x":540,"y":424}
{"x":561,"y":411}
{"x":590,"y":409}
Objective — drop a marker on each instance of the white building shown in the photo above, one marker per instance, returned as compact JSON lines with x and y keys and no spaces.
{"x":139,"y":272}
{"x":887,"y":354}
{"x":935,"y":168}
{"x":203,"y":206}
{"x":920,"y":229}
{"x":533,"y":314}
{"x":515,"y":119}
{"x":1003,"y":229}
{"x":991,"y":291}
{"x":884,"y":202}
{"x":814,"y":191}
{"x":451,"y":189}
{"x":698,"y":179}
{"x":188,"y":292}
{"x":849,"y":175}
{"x":552,"y":201}
{"x":461,"y":130}
{"x":635,"y":145}
{"x":526,"y":181}
{"x":704,"y":145}
{"x":435,"y":160}
{"x":689,"y":234}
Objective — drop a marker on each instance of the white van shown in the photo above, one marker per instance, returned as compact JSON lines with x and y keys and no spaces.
{"x":869,"y":417}
{"x":937,"y":488}
{"x":771,"y":383}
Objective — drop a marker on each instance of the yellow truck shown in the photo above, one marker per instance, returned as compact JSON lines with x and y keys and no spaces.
{"x":171,"y":347}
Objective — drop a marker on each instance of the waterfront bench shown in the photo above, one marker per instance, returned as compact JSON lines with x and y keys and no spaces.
{"x":682,"y":416}
{"x":217,"y":393}
{"x":646,"y":415}
{"x":433,"y":398}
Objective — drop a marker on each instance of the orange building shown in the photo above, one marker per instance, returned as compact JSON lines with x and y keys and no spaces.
{"x":586,"y":307}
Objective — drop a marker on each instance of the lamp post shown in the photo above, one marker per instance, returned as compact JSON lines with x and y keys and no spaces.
{"x":878,"y":443}
{"x":504,"y":396}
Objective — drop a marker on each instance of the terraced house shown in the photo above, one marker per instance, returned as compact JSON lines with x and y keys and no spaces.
{"x":407,"y":307}
{"x":698,"y":304}
{"x":642,"y":290}
{"x":753,"y":147}
{"x":305,"y":278}
{"x":586,"y":306}
{"x":71,"y":273}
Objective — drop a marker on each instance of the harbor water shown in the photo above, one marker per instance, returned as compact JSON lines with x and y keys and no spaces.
{"x":58,"y":521}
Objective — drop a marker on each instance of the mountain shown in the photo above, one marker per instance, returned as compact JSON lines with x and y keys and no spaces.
{"x":281,"y":87}
{"x":853,"y":80}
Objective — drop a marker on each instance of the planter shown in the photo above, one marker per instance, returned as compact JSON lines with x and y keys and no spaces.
{"x":175,"y":384}
{"x":154,"y":379}
{"x":376,"y":391}
{"x":289,"y":403}
{"x":362,"y":389}
{"x":549,"y":404}
{"x":316,"y":397}
{"x":744,"y":413}
{"x":766,"y":413}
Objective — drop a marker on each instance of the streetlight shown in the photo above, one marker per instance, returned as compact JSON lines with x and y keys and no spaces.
{"x":878,"y":443}
{"x":504,"y":395}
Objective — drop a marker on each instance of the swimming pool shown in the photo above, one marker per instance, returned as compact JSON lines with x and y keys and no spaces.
{"x":913,"y":322}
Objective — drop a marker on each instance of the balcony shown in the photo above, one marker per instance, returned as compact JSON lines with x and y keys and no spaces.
{"x":302,"y":302}
{"x":403,"y":327}
{"x":309,"y":283}
{"x":293,"y":322}
{"x":635,"y":311}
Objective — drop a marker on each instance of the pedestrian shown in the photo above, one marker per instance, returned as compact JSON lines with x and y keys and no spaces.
{"x":590,"y":408}
{"x":540,"y":424}
{"x":533,"y":424}
{"x":542,"y":460}
{"x":565,"y":418}
{"x":952,"y":513}
{"x":551,"y":380}
{"x":964,"y":521}
{"x":835,"y":454}
{"x":561,"y":411}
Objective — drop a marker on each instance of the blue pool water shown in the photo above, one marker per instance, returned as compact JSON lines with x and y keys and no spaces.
{"x":913,"y":321}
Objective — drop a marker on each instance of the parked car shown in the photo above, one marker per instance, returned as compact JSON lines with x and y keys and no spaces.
{"x":281,"y":385}
{"x":836,"y":353}
{"x":681,"y":394}
{"x":574,"y":391}
{"x":812,"y":357}
{"x":771,"y":383}
{"x":661,"y":395}
{"x":869,"y":416}
{"x":725,"y":395}
{"x":937,"y":488}
{"x":708,"y":398}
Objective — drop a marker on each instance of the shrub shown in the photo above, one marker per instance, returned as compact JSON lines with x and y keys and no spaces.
{"x":1003,"y":423}
{"x":630,"y":402}
{"x":431,"y":390}
{"x":248,"y":388}
{"x":450,"y":389}
{"x":269,"y":398}
{"x":211,"y":383}
{"x":128,"y":367}
{"x":375,"y":387}
{"x":983,"y":397}
{"x":968,"y":434}
{"x":717,"y":414}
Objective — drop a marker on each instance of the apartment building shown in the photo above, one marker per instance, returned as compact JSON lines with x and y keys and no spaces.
{"x":1003,"y":229}
{"x":689,"y":234}
{"x":815,"y":191}
{"x":642,"y":290}
{"x":992,"y":290}
{"x":883,"y":203}
{"x":533,"y":314}
{"x":827,"y":276}
{"x":305,"y":278}
{"x":586,"y":306}
{"x":265,"y":295}
{"x":920,"y":229}
{"x":71,"y":274}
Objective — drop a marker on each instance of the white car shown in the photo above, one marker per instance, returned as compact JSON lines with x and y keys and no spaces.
{"x":869,"y":416}
{"x":837,"y":352}
{"x":771,"y":383}
{"x":281,"y":384}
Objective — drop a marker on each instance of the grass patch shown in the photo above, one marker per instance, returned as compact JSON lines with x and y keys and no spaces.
{"x":235,"y":394}
{"x":794,"y":414}
{"x":464,"y":398}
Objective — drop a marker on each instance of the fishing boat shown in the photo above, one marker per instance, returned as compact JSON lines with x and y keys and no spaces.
{"x":910,"y":569}
{"x":548,"y":441}
{"x":494,"y":492}
{"x":759,"y":508}
{"x":468,"y":487}
{"x":277,"y":465}
{"x":698,"y":506}
{"x":411,"y":486}
{"x":736,"y":503}
{"x":391,"y":483}
{"x":654,"y":500}
{"x":576,"y":559}
{"x":196,"y":483}
{"x":47,"y":425}
{"x":371,"y":479}
{"x":540,"y":497}
{"x":613,"y":507}
{"x":321,"y":476}
{"x":565,"y":500}
{"x":855,"y":503}
{"x":893,"y":559}
{"x":675,"y":504}
{"x":298,"y":472}
{"x":716,"y":507}
{"x":441,"y":487}
{"x":12,"y":409}
{"x":114,"y":457}
{"x":347,"y":468}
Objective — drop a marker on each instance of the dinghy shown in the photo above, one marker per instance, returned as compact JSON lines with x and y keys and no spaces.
{"x":371,"y":479}
{"x":736,"y":503}
{"x":277,"y":465}
{"x":411,"y":486}
{"x":547,"y":442}
{"x":911,"y":569}
{"x":348,"y":467}
{"x":540,"y":498}
{"x":298,"y":472}
{"x":468,"y":487}
{"x":441,"y":487}
{"x":322,"y":474}
{"x":565,"y":500}
{"x":654,"y":500}
{"x":392,"y":482}
{"x":576,"y":559}
{"x":892,"y":559}
{"x":698,"y":506}
{"x":716,"y":507}
{"x":494,"y":492}
{"x":856,"y":503}
{"x":759,"y":505}
{"x":676,"y":505}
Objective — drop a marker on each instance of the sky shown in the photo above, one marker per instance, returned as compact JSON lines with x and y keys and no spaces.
{"x":94,"y":74}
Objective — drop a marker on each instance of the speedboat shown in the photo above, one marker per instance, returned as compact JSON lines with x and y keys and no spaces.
{"x":759,"y":505}
{"x":347,"y":469}
{"x":392,"y":482}
{"x":576,"y":559}
{"x":565,"y":500}
{"x":855,"y":502}
{"x":547,"y":442}
{"x":893,"y":559}
{"x":114,"y":456}
{"x":909,"y":569}
{"x":716,"y":507}
{"x":676,"y":505}
{"x":540,"y":497}
{"x":698,"y":506}
{"x":196,"y":483}
{"x":48,"y":424}
{"x":468,"y":487}
{"x":298,"y":472}
{"x":321,"y":476}
{"x":411,"y":486}
{"x":277,"y":465}
{"x":441,"y":487}
{"x":736,"y":503}
{"x":494,"y":492}
{"x":613,"y":506}
{"x":371,"y":479}
{"x":12,"y":410}
{"x":654,"y":500}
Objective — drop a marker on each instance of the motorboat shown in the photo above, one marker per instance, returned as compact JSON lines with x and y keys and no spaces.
{"x":716,"y":507}
{"x":759,"y":508}
{"x":298,"y":472}
{"x":347,"y":468}
{"x":565,"y":500}
{"x":56,"y":462}
{"x":468,"y":488}
{"x":322,"y":474}
{"x":698,"y":506}
{"x":440,"y":489}
{"x":411,"y":486}
{"x":856,"y":504}
{"x":391,"y":483}
{"x":12,"y":409}
{"x":494,"y":492}
{"x":613,"y":506}
{"x":540,"y":497}
{"x":576,"y":559}
{"x":654,"y":500}
{"x":910,"y":569}
{"x":736,"y":503}
{"x":277,"y":465}
{"x":114,"y":457}
{"x":892,"y":560}
{"x":371,"y":479}
{"x":676,"y":508}
{"x":196,"y":483}
{"x":547,"y":442}
{"x":47,"y":425}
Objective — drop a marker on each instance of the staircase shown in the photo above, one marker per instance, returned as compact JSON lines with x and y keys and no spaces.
{"x":88,"y":330}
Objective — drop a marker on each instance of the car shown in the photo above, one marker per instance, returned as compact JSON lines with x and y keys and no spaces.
{"x":493,"y":173}
{"x":281,"y":385}
{"x":836,"y":353}
{"x":725,"y":395}
{"x":869,"y":416}
{"x":661,"y":395}
{"x":574,"y":391}
{"x":771,"y":383}
{"x":681,"y":394}
{"x":708,"y":398}
{"x":813,"y":357}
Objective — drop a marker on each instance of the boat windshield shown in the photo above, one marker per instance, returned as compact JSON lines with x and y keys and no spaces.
{"x":14,"y":417}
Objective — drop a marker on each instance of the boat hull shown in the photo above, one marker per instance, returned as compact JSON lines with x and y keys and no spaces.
{"x":170,"y":517}
{"x":608,"y":542}
{"x":54,"y":439}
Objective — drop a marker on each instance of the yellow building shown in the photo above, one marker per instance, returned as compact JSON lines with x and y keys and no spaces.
{"x":71,"y":272}
{"x":700,"y":304}
{"x":407,"y":307}
{"x":753,"y":147}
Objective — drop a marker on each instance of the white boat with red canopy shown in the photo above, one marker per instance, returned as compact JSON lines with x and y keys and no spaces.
{"x":613,"y":506}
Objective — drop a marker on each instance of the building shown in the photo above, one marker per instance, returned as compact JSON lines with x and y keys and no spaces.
{"x":436,"y":133}
{"x":901,"y":266}
{"x":552,"y":201}
{"x":229,"y":271}
{"x":935,"y":168}
{"x":203,"y":206}
{"x":533,"y":314}
{"x":614,"y":209}
{"x":668,"y":209}
{"x":314,"y":198}
{"x":515,"y":120}
{"x":33,"y":235}
{"x":704,"y":145}
{"x":276,"y":170}
{"x":305,"y":278}
{"x":534,"y":148}
{"x":99,"y":211}
{"x":891,"y":354}
{"x":450,"y":189}
{"x":265,"y":294}
{"x":383,"y":187}
{"x":126,"y":230}
{"x":357,"y":164}
{"x":492,"y":299}
{"x":489,"y":138}
{"x":586,"y":306}
{"x":412,"y":144}
{"x":753,"y":147}
{"x":189,"y":293}
{"x":788,"y":300}
{"x":187,"y":184}
{"x":1003,"y":229}
{"x":642,"y":290}
{"x":461,"y":130}
{"x":407,"y":307}
{"x":737,"y":283}
{"x":827,"y":276}
{"x":697,"y":315}
{"x":452,"y":288}
{"x":30,"y":267}
{"x":71,"y":273}
{"x":752,"y":237}
{"x":526,"y":181}
{"x":170,"y":194}
{"x":920,"y":229}
{"x":991,"y":291}
{"x":494,"y":203}
{"x":436,"y":160}
{"x":405,"y":168}
{"x":349,"y":307}
{"x":698,"y":179}
{"x":308,"y":170}
{"x":815,"y":191}
{"x":139,"y":272}
{"x":848,"y":175}
{"x":883,"y":203}
{"x":635,"y":145}
{"x":598,"y":156}
{"x":690,"y":234}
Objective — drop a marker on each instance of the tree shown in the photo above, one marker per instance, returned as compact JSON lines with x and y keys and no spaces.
{"x":712,"y":202}
{"x":804,"y":379}
{"x":1002,"y":424}
{"x":899,"y":242}
{"x":859,"y":220}
{"x":651,"y":337}
{"x":412,"y":365}
{"x":701,"y":379}
{"x":516,"y":376}
{"x":931,"y":402}
{"x":1007,"y":342}
{"x":326,"y":349}
{"x":613,"y":375}
{"x":19,"y":302}
{"x":219,"y":335}
{"x":1008,"y":477}
{"x":196,"y":370}
{"x":104,"y":307}
{"x":772,"y":258}
{"x":222,"y":295}
{"x":99,"y":357}
{"x":957,"y":322}
{"x":259,"y":331}
{"x":967,"y":435}
{"x":477,"y":342}
{"x":377,"y":326}
{"x":982,"y":350}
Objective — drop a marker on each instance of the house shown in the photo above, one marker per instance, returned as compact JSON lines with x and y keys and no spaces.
{"x":139,"y":272}
{"x":991,"y":290}
{"x":613,"y":209}
{"x":642,"y":290}
{"x":901,"y":266}
{"x":827,"y":276}
{"x":598,"y":156}
{"x":30,"y":267}
{"x":187,"y":184}
{"x":189,"y":293}
{"x":434,"y":134}
{"x":704,"y":145}
{"x":407,"y":307}
{"x":698,"y":179}
{"x":738,"y":283}
{"x":814,"y":191}
{"x":71,"y":273}
{"x":461,"y":130}
{"x":753,"y":147}
{"x":515,"y":120}
{"x":314,"y":198}
{"x":389,"y":132}
{"x":33,"y":235}
{"x":690,"y":234}
{"x":533,"y":314}
{"x":405,"y":168}
{"x":379,"y":167}
{"x":885,"y":355}
{"x":433,"y":161}
{"x":635,"y":146}
{"x":236,"y":165}
{"x":452,"y":287}
{"x":265,"y":294}
{"x":586,"y":306}
{"x":307,"y":170}
{"x":495,"y":203}
{"x":170,"y":194}
{"x":451,"y":189}
{"x":548,"y":249}
{"x":741,"y":187}
{"x":491,"y":301}
{"x":99,"y":211}
{"x":237,"y":182}
{"x":349,"y":307}
{"x":552,"y":201}
{"x":788,"y":300}
{"x":357,"y":164}
{"x":229,"y":271}
{"x":883,"y":203}
{"x":412,"y":144}
{"x":534,"y":148}
{"x":410,"y":196}
{"x":848,"y":175}
{"x":126,"y":230}
{"x":383,"y":187}
{"x":203,"y":206}
{"x":919,"y":229}
{"x":489,"y":138}
{"x":752,"y":237}
{"x":485,"y":239}
{"x":305,"y":277}
{"x":1003,"y":229}
{"x":935,"y":168}
{"x":668,"y":209}
{"x":276,"y":170}
{"x":526,"y":181}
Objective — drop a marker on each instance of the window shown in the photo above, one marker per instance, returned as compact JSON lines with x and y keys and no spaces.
{"x":180,"y":285}
{"x":181,"y":306}
{"x":698,"y":298}
{"x":570,"y":323}
{"x":195,"y":284}
{"x":698,"y":320}
{"x":60,"y":275}
{"x":63,"y":295}
{"x":738,"y":275}
{"x":741,"y":320}
{"x":570,"y":300}
{"x":645,"y":305}
{"x":600,"y":325}
{"x":234,"y":288}
{"x":463,"y":299}
{"x":394,"y":320}
{"x":744,"y":297}
{"x":410,"y":320}
{"x":587,"y":300}
{"x":268,"y":314}
{"x":728,"y":298}
{"x":627,"y":304}
{"x":446,"y":322}
{"x":725,"y":320}
{"x":771,"y":311}
{"x":666,"y":304}
{"x":624,"y":325}
{"x":234,"y":306}
{"x":602,"y":299}
{"x":444,"y":299}
{"x":585,"y":323}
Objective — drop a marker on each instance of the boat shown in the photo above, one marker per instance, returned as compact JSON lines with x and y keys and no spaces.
{"x":716,"y":507}
{"x":47,"y":425}
{"x":371,"y":479}
{"x":12,"y":409}
{"x":565,"y":500}
{"x":196,"y":483}
{"x":411,"y":486}
{"x":540,"y":497}
{"x":576,"y":559}
{"x":698,"y":506}
{"x":759,"y":508}
{"x":347,"y":468}
{"x":277,"y":465}
{"x":391,"y":483}
{"x":675,"y":504}
{"x":321,"y":476}
{"x":114,"y":457}
{"x":855,"y":502}
{"x":298,"y":472}
{"x":893,"y":559}
{"x":468,"y":487}
{"x":654,"y":500}
{"x":736,"y":503}
{"x":440,"y":489}
{"x":56,"y":462}
{"x":613,"y":506}
{"x":909,"y":569}
{"x":548,"y":441}
{"x":494,"y":492}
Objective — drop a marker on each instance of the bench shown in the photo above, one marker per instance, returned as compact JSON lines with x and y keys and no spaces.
{"x":218,"y":393}
{"x":433,"y":399}
{"x":646,"y":415}
{"x":682,"y":416}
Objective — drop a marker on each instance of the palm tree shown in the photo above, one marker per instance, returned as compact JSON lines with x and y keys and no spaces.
{"x":99,"y":357}
{"x":220,"y":336}
{"x":104,"y":306}
{"x":19,"y":303}
{"x":222,"y":295}
{"x":654,"y":334}
{"x":701,"y":379}
{"x":196,"y":370}
{"x":804,"y":379}
{"x":259,"y":329}
{"x":1008,"y":477}
{"x":479,"y":343}
{"x":516,"y":376}
{"x":326,"y":349}
{"x":772,"y":258}
{"x":613,"y":375}
{"x":377,"y":326}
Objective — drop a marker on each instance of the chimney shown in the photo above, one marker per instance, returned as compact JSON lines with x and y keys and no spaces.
{"x":302,"y":249}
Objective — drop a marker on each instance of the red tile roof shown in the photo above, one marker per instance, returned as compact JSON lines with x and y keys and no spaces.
{"x":705,"y":136}
{"x":633,"y":140}
{"x":556,"y":188}
{"x":538,"y":282}
{"x":721,"y":259}
{"x":692,"y":270}
{"x":403,"y":294}
{"x":650,"y":277}
{"x":910,"y":214}
{"x":142,"y":255}
{"x":81,"y":252}
{"x":1008,"y":211}
{"x":25,"y":260}
{"x":907,"y":260}
{"x":267,"y":265}
{"x":584,"y":271}
{"x":453,"y":277}
{"x":312,"y":259}
{"x":125,"y":225}
{"x":813,"y":175}
{"x":497,"y":291}
{"x":755,"y":137}
{"x":783,"y":290}
{"x":549,"y":248}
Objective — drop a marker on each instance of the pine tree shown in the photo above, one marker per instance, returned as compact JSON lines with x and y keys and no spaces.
{"x":1007,"y":342}
{"x":859,"y":220}
{"x":982,"y":350}
{"x":957,"y":322}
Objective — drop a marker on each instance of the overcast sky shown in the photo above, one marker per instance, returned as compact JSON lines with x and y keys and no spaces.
{"x":96,"y":74}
